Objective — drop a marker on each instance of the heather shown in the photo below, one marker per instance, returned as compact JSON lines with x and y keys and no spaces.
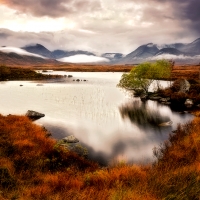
{"x":33,"y":166}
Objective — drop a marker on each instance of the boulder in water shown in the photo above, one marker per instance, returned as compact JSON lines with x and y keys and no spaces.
{"x":189,"y":103}
{"x":169,"y":123}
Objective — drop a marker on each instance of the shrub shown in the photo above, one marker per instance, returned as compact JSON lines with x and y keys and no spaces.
{"x":178,"y":97}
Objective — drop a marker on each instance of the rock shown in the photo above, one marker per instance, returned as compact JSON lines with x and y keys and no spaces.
{"x":143,"y":97}
{"x":78,"y":80}
{"x":184,"y":86}
{"x":39,"y":84}
{"x":70,"y":139}
{"x":33,"y":115}
{"x":189,"y":103}
{"x":77,"y":148}
{"x":21,"y":85}
{"x":70,"y":76}
{"x":154,"y":98}
{"x":164,"y":99}
{"x":166,"y":103}
{"x":169,"y":123}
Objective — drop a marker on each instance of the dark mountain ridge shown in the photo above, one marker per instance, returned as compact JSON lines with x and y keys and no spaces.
{"x":171,"y":51}
{"x":38,"y":49}
{"x":56,"y":54}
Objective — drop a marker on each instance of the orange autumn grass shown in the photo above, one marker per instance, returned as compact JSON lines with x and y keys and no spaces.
{"x":32,"y":166}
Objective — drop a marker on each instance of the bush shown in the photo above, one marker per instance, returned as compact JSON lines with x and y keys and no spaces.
{"x":178,"y":97}
{"x":176,"y":85}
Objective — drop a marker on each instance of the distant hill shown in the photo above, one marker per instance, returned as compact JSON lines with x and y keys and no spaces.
{"x":141,"y":53}
{"x":14,"y":59}
{"x":113,"y":57}
{"x":38,"y":49}
{"x":144,"y":51}
{"x":171,"y":51}
{"x":37,"y":54}
{"x":179,"y":52}
{"x":57,"y":54}
{"x":192,"y":49}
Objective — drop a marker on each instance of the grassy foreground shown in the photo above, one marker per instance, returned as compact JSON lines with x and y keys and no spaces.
{"x":32,"y":166}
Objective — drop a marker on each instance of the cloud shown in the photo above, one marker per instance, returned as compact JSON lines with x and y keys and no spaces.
{"x":52,"y":8}
{"x":18,"y":51}
{"x":100,"y":25}
{"x":175,"y":57}
{"x":185,"y":12}
{"x":83,"y":59}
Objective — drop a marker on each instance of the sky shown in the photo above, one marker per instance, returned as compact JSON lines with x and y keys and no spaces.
{"x":100,"y":26}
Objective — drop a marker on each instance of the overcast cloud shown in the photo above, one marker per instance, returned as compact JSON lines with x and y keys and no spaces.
{"x":98,"y":25}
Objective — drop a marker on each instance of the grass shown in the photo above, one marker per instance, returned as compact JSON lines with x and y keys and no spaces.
{"x":32,"y":166}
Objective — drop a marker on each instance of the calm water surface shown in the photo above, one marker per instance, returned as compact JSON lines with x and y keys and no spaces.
{"x":92,"y":111}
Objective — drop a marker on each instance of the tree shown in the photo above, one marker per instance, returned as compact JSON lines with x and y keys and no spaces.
{"x":141,"y":76}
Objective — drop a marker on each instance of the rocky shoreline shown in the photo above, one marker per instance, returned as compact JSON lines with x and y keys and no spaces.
{"x":182,"y":95}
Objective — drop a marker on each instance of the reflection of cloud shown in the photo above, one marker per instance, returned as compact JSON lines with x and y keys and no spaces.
{"x":133,"y":147}
{"x":83,"y":59}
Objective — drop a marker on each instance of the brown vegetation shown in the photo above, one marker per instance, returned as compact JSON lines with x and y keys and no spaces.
{"x":85,"y":67}
{"x":178,"y":97}
{"x":186,"y":72}
{"x":9,"y":73}
{"x":32,"y":166}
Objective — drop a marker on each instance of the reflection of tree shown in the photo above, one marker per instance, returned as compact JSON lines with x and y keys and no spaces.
{"x":140,"y":114}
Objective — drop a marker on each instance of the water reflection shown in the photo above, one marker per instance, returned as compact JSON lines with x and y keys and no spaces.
{"x":142,"y":114}
{"x":96,"y":112}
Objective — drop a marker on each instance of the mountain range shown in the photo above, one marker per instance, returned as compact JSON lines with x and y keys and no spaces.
{"x":179,"y":52}
{"x":184,"y":53}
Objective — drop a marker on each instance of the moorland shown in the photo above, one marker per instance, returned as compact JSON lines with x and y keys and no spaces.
{"x":34,"y":166}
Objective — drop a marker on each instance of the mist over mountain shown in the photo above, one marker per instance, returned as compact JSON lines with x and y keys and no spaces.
{"x":172,"y":51}
{"x":38,"y":49}
{"x":113,"y":57}
{"x":17,"y":59}
{"x":181,"y":53}
{"x":192,"y":49}
{"x":57,"y":54}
